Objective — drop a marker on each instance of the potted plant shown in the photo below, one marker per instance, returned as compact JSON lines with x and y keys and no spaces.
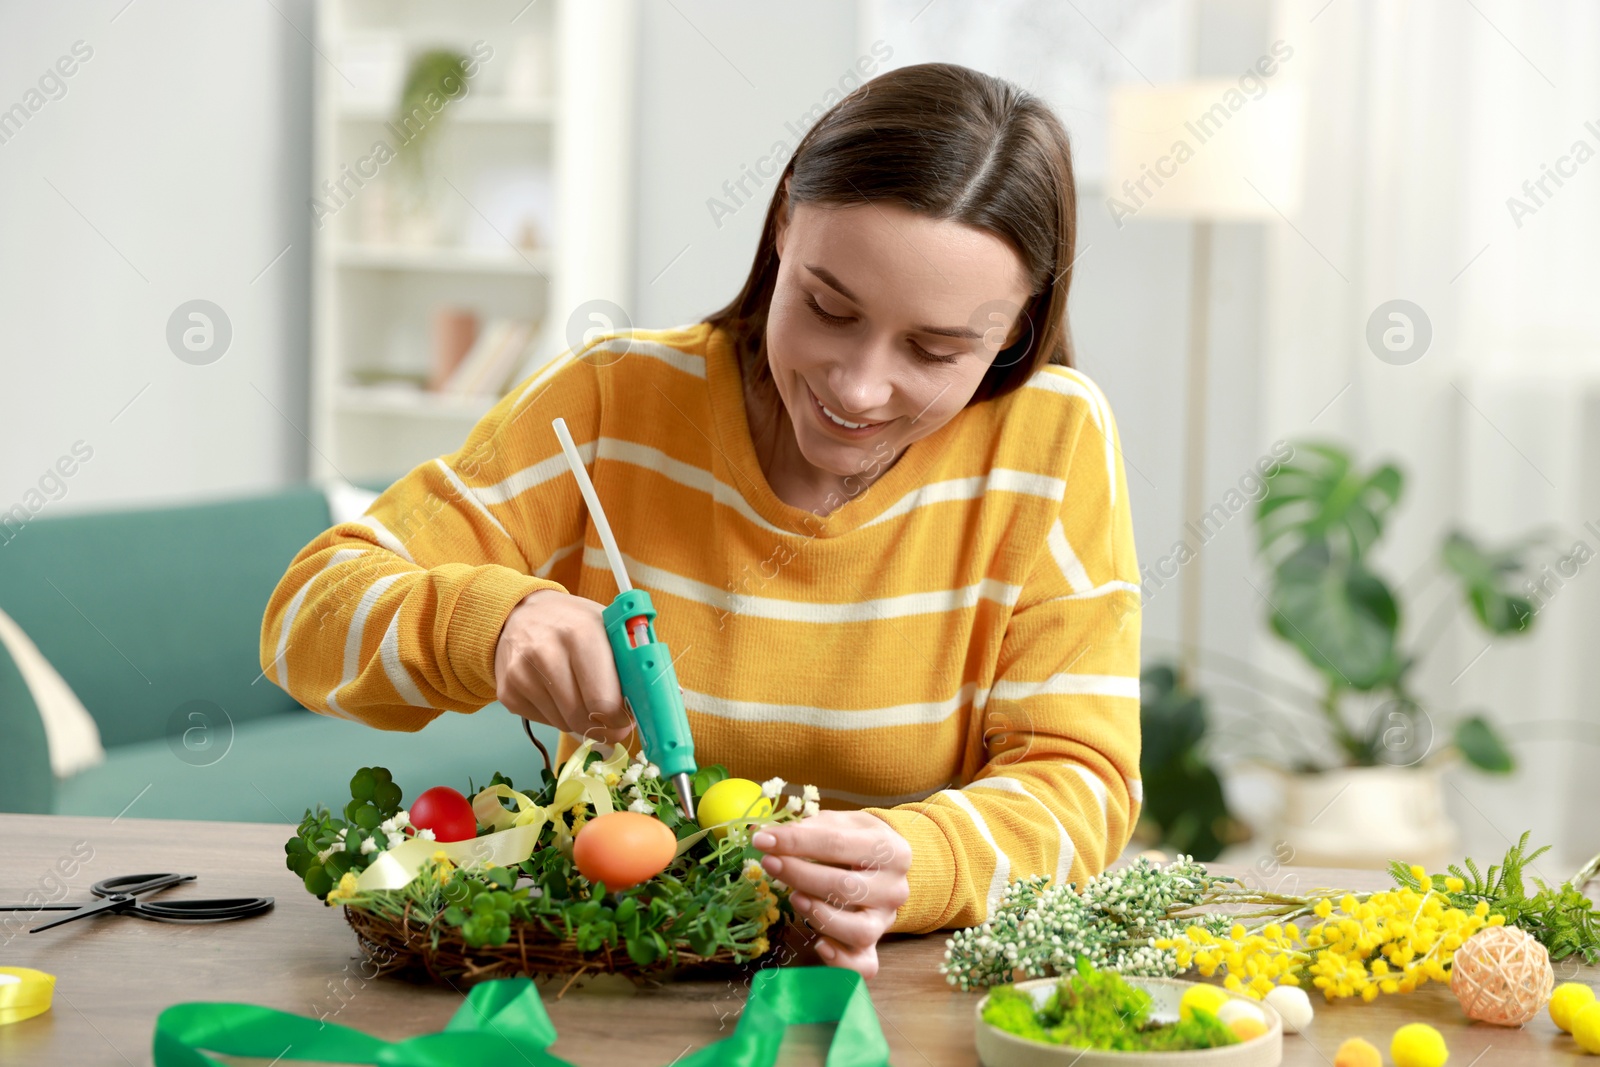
{"x":1368,"y":786}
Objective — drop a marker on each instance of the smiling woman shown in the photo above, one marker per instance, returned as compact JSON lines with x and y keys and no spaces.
{"x":884,"y":521}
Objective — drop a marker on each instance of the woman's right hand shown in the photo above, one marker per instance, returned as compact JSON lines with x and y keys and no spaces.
{"x":553,"y":665}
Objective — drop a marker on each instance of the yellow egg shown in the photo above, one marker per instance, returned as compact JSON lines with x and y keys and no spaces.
{"x":1586,"y":1027}
{"x":1568,"y":999}
{"x":731,"y":798}
{"x":1202,"y":997}
{"x":1418,"y":1045}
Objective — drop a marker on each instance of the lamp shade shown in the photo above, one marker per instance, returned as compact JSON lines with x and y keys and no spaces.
{"x":1223,"y":149}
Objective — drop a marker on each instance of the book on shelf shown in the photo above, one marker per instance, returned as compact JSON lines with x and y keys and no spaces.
{"x":489,"y":367}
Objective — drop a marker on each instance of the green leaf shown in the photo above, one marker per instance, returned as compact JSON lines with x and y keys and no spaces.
{"x":1341,"y":616}
{"x":1320,"y":496}
{"x":1486,"y":579}
{"x":706,"y":777}
{"x":1479,"y":742}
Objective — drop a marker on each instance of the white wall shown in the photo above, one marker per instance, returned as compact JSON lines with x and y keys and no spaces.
{"x":174,"y":167}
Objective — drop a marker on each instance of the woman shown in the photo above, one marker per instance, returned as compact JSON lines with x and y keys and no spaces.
{"x":883,"y":520}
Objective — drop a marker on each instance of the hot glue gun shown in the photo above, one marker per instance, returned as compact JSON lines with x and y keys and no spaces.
{"x":644,"y":664}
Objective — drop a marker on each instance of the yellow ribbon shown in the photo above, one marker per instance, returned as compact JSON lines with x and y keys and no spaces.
{"x":27,"y":997}
{"x":515,"y":835}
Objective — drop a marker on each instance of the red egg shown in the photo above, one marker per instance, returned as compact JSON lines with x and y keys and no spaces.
{"x":446,"y":812}
{"x":623,"y":848}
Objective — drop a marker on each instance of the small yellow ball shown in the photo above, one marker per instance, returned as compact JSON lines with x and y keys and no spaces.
{"x":731,"y":798}
{"x":1201,"y":997}
{"x":1357,"y":1052}
{"x":1586,"y":1027}
{"x":1568,"y":999}
{"x":1418,"y":1045}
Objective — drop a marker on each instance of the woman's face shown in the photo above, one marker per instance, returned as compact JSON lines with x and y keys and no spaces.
{"x":886,"y":318}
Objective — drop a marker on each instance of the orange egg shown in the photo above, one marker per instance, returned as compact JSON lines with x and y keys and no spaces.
{"x":623,"y":848}
{"x":1247,"y":1029}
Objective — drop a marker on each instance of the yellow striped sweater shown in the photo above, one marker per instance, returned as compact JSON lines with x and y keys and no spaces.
{"x":955,"y":649}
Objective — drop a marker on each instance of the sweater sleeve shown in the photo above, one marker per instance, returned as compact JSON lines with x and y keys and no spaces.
{"x":394,"y":618}
{"x":1058,"y":790}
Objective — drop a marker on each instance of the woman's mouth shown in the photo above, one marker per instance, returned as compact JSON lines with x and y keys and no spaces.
{"x":843,"y":427}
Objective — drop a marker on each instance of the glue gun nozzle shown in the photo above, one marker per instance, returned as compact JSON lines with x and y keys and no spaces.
{"x":685,"y":795}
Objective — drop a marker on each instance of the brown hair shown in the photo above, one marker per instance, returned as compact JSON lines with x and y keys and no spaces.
{"x":951,"y":143}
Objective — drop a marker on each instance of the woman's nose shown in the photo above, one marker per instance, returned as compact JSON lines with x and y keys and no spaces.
{"x":861,"y":382}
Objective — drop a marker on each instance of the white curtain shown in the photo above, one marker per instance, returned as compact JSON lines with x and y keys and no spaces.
{"x":1423,"y":119}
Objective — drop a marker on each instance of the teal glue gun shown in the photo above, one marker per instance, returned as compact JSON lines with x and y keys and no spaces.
{"x":644,"y":664}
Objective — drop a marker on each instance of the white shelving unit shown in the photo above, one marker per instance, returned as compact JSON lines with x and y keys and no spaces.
{"x":542,"y":136}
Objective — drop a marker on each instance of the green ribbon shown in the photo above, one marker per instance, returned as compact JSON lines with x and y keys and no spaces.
{"x":504,"y":1021}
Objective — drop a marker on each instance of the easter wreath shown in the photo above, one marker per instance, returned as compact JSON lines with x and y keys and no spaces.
{"x":456,"y":892}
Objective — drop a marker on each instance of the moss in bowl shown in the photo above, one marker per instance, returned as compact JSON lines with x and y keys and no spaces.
{"x":1096,"y":1009}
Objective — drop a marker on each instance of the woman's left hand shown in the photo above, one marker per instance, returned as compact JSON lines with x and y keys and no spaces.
{"x":847,"y":876}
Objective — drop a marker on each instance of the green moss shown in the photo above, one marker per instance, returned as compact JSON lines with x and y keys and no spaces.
{"x":1099,"y":1010}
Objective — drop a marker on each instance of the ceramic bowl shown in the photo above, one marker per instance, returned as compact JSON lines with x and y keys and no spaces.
{"x":996,"y":1048}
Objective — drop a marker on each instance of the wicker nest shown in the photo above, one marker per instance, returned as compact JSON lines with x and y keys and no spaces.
{"x":406,"y":950}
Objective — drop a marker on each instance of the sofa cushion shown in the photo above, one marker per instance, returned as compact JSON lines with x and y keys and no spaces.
{"x":144,"y":611}
{"x":74,"y":738}
{"x":271,"y":769}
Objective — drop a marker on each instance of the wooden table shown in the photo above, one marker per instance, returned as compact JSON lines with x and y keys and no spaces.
{"x":115,"y":974}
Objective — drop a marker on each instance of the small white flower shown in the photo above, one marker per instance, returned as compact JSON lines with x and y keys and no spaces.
{"x":402,"y":818}
{"x":388,"y":826}
{"x":369,"y":846}
{"x":651,"y":771}
{"x":809,"y":809}
{"x":772,"y":787}
{"x":811,"y":792}
{"x":426,"y":835}
{"x":753,"y":865}
{"x":631,"y":775}
{"x":323,"y":854}
{"x":791,"y":803}
{"x":642,"y":806}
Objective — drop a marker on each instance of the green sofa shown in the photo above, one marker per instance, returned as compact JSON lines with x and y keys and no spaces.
{"x":153,"y":617}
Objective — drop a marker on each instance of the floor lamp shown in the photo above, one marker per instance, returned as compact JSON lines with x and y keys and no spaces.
{"x":1206,"y":152}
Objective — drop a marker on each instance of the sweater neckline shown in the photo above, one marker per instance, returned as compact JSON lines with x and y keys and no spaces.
{"x":737,"y":446}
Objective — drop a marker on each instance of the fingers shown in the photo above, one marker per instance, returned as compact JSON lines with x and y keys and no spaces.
{"x":599,"y":692}
{"x":863,"y":960}
{"x":848,"y":926}
{"x":835,"y":885}
{"x":838,"y":837}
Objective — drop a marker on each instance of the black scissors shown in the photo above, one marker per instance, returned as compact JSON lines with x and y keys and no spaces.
{"x":120,"y":895}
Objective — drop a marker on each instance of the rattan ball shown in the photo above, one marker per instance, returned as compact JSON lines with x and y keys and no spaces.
{"x":1502,"y":975}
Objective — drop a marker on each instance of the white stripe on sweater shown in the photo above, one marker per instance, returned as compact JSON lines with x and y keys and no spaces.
{"x":353,"y":638}
{"x":1002,"y":862}
{"x":687,"y":362}
{"x":1066,"y":850}
{"x":398,"y":674}
{"x":926,"y":713}
{"x":467,"y":495}
{"x":1071,"y":566}
{"x":999,"y":479}
{"x":385,"y":536}
{"x":1096,"y":785}
{"x":660,"y":581}
{"x":1067,"y":383}
{"x":344,"y":555}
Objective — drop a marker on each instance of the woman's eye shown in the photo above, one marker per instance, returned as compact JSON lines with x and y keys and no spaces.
{"x":936,"y":358}
{"x":837,"y":321}
{"x":830,"y":320}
